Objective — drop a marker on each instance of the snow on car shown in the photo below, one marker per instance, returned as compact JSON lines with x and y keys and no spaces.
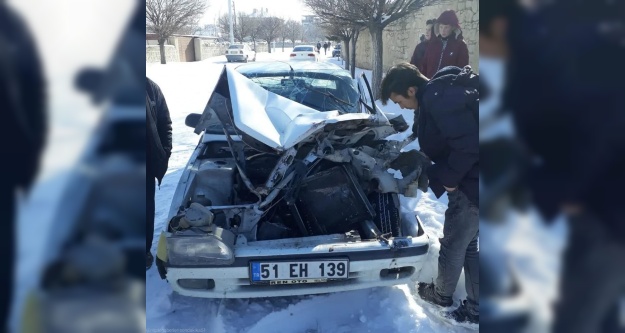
{"x":240,"y":52}
{"x":287,"y":192}
{"x":304,"y":52}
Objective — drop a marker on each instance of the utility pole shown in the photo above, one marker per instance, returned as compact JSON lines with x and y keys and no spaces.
{"x":231,"y":21}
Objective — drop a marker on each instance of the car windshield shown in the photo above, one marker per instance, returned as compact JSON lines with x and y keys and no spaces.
{"x":320,"y":89}
{"x":235,"y":47}
{"x":303,"y":49}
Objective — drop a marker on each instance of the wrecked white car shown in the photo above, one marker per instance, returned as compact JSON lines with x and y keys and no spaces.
{"x":288,"y":193}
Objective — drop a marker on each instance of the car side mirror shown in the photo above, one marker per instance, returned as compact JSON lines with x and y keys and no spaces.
{"x":192,"y":120}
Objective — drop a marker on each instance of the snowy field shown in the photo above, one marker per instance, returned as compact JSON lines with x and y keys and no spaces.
{"x":393,"y":309}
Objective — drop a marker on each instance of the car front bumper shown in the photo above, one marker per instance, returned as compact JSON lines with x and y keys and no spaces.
{"x":236,"y":57}
{"x":371,"y":264}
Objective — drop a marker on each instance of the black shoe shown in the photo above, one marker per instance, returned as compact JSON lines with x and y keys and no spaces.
{"x":149,"y":260}
{"x":428,"y":293}
{"x":462,"y":315}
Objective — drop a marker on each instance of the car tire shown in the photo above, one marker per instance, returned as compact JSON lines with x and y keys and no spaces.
{"x":388,"y":212}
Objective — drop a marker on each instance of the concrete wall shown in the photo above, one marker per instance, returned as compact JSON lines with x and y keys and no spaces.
{"x":185,"y":48}
{"x":152,"y":53}
{"x":401,"y":37}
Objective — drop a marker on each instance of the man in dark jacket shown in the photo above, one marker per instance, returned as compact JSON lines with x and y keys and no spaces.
{"x":573,"y":125}
{"x":449,"y":49}
{"x":158,"y":151}
{"x":448,"y":134}
{"x":24,"y":128}
{"x":419,"y":51}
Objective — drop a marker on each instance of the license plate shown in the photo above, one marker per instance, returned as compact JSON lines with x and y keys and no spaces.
{"x":296,"y":272}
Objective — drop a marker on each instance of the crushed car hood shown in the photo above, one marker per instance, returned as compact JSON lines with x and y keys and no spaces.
{"x":274,"y":120}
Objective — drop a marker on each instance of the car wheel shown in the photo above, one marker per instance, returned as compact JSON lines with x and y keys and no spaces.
{"x":387,"y":209}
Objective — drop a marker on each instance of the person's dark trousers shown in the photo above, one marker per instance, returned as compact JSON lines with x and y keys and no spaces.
{"x":592,"y":279}
{"x":150,"y":206}
{"x":459,"y":249}
{"x":7,"y":253}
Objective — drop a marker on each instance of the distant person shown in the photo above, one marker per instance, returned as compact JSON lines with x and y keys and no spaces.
{"x":447,"y":130}
{"x":158,"y":152}
{"x":419,"y":51}
{"x":318,"y":47}
{"x":24,"y":122}
{"x":449,"y":49}
{"x":325,"y":48}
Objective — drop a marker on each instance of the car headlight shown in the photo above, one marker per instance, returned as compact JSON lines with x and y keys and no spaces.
{"x":213,"y":249}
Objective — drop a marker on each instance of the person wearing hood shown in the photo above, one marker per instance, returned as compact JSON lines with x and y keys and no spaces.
{"x":419,"y":51}
{"x":449,"y":49}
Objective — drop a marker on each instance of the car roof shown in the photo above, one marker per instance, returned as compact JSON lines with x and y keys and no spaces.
{"x":298,"y":66}
{"x":304,"y":46}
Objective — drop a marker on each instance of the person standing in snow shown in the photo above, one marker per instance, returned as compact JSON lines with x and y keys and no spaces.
{"x":419,"y":51}
{"x":449,"y":49}
{"x":159,"y":147}
{"x":325,"y":48}
{"x":318,"y":47}
{"x":448,"y":134}
{"x":22,"y":94}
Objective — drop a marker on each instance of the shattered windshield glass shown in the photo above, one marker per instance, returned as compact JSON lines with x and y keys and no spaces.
{"x":320,"y":89}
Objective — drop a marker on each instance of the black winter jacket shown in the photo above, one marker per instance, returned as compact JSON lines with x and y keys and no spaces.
{"x":23,"y":100}
{"x":158,"y":131}
{"x":448,"y":134}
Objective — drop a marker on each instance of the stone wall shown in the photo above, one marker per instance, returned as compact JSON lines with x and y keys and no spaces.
{"x":195,"y":49}
{"x":401,"y":37}
{"x":152,"y":53}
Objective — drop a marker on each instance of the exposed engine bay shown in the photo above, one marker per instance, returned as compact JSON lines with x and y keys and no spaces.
{"x":333,"y":180}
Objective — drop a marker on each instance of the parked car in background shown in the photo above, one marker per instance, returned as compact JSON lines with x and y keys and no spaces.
{"x":287,"y":192}
{"x":336,"y":52}
{"x":304,"y":52}
{"x":240,"y":52}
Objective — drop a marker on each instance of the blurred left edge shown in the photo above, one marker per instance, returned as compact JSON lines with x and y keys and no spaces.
{"x":92,"y":276}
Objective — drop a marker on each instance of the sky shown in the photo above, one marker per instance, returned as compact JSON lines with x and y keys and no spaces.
{"x":293,"y":9}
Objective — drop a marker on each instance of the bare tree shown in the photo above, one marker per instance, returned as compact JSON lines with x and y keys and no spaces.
{"x":255,"y":29}
{"x":224,"y":25}
{"x":293,"y":30}
{"x":270,"y":29}
{"x":375,"y":15}
{"x":347,"y":34}
{"x":284,"y":32}
{"x":166,"y":17}
{"x":242,"y":26}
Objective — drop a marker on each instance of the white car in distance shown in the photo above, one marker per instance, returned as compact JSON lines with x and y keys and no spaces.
{"x":304,"y":52}
{"x":240,"y":52}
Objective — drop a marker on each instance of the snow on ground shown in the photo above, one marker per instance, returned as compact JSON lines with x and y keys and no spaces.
{"x":372,"y":310}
